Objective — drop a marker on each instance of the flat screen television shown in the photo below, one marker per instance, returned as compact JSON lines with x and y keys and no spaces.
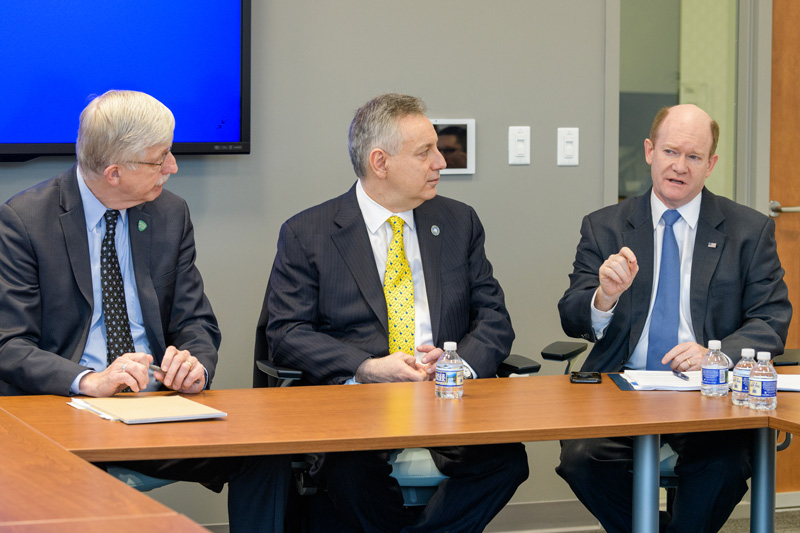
{"x":192,"y":55}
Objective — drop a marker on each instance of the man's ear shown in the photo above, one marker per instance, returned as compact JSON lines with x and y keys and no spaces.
{"x":111,"y":175}
{"x":648,"y":151}
{"x":711,"y":162}
{"x":377,"y":162}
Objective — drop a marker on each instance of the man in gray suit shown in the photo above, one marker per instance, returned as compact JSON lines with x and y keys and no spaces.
{"x":325,"y":313}
{"x":730,"y":289}
{"x":98,"y":281}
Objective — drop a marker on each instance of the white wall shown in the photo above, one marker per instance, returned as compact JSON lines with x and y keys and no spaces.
{"x":517,"y":62}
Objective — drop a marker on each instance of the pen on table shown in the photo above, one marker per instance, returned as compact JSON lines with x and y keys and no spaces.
{"x":679,"y":374}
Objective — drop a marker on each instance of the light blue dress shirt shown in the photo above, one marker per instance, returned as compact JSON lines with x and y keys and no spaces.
{"x":94,"y":354}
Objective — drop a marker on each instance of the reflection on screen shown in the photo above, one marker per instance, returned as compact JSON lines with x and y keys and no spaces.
{"x":453,"y":145}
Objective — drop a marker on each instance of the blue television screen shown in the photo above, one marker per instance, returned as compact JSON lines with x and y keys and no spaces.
{"x":192,"y":55}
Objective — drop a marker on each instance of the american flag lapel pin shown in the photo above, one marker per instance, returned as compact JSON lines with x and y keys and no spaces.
{"x":712,"y":245}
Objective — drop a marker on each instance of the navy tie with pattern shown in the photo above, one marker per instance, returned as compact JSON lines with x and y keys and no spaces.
{"x":118,"y":330}
{"x":665,"y":317}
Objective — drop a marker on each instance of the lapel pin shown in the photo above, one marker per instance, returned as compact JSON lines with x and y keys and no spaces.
{"x":142,"y":225}
{"x":435,"y":230}
{"x":712,"y":245}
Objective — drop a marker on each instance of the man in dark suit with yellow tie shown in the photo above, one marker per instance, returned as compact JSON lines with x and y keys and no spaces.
{"x":326,"y":313}
{"x":98,"y":281}
{"x":655,"y":278}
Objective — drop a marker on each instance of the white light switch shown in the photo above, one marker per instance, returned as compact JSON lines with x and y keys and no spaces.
{"x":519,"y":145}
{"x":568,"y":147}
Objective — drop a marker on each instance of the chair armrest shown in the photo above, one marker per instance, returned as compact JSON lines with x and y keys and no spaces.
{"x":563,"y":351}
{"x":789,"y":357}
{"x":517,"y":364}
{"x":279,"y":372}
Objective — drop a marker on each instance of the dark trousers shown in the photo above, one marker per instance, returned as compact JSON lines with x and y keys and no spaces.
{"x":712,"y":470}
{"x":366,"y":498}
{"x":258,"y":487}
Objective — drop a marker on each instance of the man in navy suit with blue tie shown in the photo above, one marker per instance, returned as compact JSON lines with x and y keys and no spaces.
{"x":325,"y":313}
{"x":655,"y":278}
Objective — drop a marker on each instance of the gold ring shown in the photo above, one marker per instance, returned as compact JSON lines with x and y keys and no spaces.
{"x":688,"y":363}
{"x":191,"y":365}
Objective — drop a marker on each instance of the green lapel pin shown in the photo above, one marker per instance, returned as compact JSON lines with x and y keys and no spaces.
{"x":142,"y":225}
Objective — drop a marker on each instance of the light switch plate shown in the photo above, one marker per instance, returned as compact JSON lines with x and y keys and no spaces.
{"x":568,"y":145}
{"x":519,"y":145}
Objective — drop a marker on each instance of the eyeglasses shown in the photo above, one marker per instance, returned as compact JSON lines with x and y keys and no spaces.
{"x":150,"y":163}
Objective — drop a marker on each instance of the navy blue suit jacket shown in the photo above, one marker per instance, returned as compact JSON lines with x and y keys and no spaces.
{"x":737,"y":292}
{"x":46,"y":285}
{"x":325,"y":312}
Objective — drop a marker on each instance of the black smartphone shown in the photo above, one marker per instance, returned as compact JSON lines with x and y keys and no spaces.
{"x":585,"y":377}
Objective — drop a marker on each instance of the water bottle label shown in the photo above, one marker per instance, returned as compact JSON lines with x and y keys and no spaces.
{"x":767,"y":388}
{"x":449,"y":378}
{"x":715,"y":376}
{"x":740,"y":383}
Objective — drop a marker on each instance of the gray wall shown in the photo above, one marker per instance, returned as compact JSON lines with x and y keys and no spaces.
{"x":515,"y":62}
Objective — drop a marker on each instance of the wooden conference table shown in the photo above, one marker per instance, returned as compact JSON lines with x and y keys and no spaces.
{"x":46,"y":488}
{"x":339,"y":418}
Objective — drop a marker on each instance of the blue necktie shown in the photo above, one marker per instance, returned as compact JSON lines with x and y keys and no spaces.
{"x":666,"y":310}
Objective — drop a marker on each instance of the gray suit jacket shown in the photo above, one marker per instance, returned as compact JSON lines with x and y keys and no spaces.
{"x":325,"y":311}
{"x":46,"y":285}
{"x":737,"y":290}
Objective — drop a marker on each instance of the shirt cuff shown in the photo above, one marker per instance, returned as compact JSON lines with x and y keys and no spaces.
{"x":600,"y":319}
{"x":75,"y":387}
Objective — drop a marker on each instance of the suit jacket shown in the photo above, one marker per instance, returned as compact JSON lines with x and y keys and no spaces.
{"x":737,"y":292}
{"x":325,"y":312}
{"x":46,"y":285}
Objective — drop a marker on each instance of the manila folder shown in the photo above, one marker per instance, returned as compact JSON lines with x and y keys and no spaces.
{"x":150,"y":409}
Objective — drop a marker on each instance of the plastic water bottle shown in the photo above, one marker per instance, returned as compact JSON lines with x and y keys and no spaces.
{"x":741,"y":377}
{"x":763,"y":384}
{"x":715,"y":371}
{"x":449,"y":373}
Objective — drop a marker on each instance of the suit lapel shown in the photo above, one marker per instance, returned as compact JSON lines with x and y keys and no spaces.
{"x":73,"y":225}
{"x":708,"y":246}
{"x":141,"y":250}
{"x":352,"y":241}
{"x":430,"y":247}
{"x":639,"y":238}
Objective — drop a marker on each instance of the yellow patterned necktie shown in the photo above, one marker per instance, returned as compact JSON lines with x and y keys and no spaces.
{"x":399,"y":290}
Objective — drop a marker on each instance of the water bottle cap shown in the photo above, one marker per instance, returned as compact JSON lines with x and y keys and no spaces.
{"x":748,"y":352}
{"x":763,"y":356}
{"x":450,"y":346}
{"x":714,"y":345}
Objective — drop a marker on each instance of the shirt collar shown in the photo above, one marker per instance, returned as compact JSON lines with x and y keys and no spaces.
{"x":690,"y":212}
{"x":93,"y":209}
{"x":375,"y":215}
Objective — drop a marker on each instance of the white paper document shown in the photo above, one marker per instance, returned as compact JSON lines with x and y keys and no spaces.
{"x":666,"y":380}
{"x":662,"y":380}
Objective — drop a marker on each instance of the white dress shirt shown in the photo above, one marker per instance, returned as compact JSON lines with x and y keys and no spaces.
{"x":380,"y":233}
{"x":685,"y":230}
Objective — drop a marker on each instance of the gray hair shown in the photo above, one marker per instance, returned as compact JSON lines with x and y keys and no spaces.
{"x":375,"y":126}
{"x":121,"y":126}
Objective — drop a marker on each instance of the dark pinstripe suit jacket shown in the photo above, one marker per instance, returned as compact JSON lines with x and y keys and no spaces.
{"x":737,"y":290}
{"x":325,"y":312}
